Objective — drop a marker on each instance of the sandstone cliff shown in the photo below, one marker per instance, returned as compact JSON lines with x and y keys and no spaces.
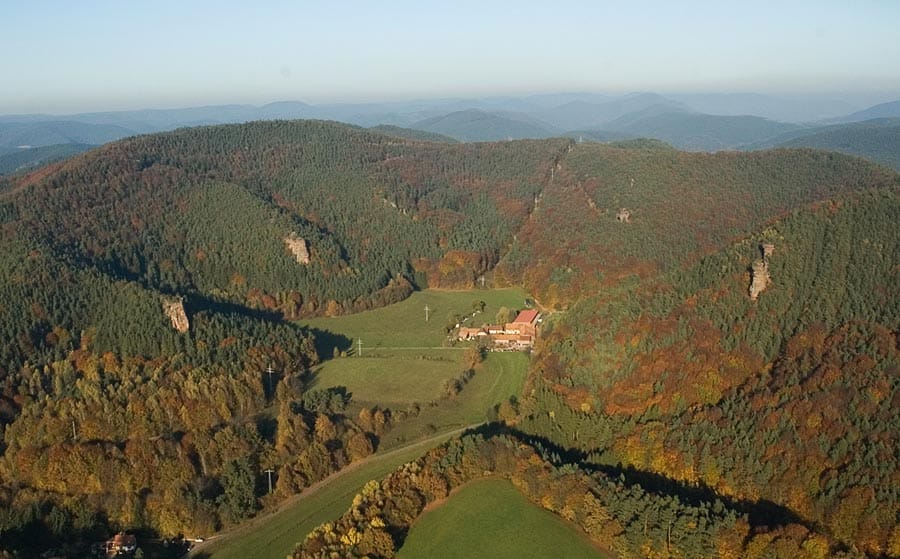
{"x":298,"y":248}
{"x":759,"y":274}
{"x":174,"y":309}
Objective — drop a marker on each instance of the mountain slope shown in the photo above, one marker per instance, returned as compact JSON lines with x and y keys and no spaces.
{"x":479,"y":126}
{"x":699,"y":132}
{"x":582,"y":114}
{"x":15,"y":134}
{"x":687,"y":377}
{"x":23,"y":159}
{"x":146,"y":286}
{"x":878,"y":140}
{"x":680,"y":206}
{"x":884,"y":110}
{"x":409,"y":134}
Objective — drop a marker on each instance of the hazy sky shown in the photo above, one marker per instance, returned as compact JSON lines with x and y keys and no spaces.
{"x":68,"y":56}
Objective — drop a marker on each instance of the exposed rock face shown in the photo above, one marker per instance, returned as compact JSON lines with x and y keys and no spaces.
{"x":298,"y":248}
{"x":623,"y":216}
{"x":174,"y":309}
{"x":760,"y":279}
{"x":759,"y":276}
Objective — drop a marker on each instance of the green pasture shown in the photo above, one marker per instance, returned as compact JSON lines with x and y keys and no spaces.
{"x":491,"y":519}
{"x":498,"y":377}
{"x":403,"y":324}
{"x":274,"y":536}
{"x":394,"y":380}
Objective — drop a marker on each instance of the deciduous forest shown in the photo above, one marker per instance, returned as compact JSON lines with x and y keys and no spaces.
{"x":718,"y":372}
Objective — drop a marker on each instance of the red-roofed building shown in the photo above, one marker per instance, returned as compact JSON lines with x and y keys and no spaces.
{"x":516,"y":335}
{"x":527,"y":317}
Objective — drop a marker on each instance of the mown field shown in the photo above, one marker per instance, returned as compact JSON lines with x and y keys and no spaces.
{"x":404,"y":362}
{"x":403,"y":325}
{"x":490,"y":518}
{"x":404,"y":359}
{"x":500,"y":376}
{"x":274,"y":536}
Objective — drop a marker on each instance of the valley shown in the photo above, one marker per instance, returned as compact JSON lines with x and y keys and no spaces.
{"x":319,"y":272}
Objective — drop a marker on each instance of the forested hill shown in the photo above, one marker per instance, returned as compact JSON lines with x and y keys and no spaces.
{"x":612,"y":216}
{"x":787,"y":402}
{"x":210,"y":210}
{"x":146,"y":286}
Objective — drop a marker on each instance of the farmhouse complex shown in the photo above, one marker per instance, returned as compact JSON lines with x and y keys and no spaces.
{"x":516,"y":335}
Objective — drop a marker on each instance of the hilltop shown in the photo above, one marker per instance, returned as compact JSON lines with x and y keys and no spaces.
{"x":877,"y":140}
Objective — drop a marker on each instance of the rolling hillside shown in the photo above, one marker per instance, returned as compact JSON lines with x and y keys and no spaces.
{"x":20,"y":160}
{"x":16,"y":134}
{"x":148,"y":285}
{"x":883,"y":110}
{"x":698,"y":132}
{"x":480,"y":126}
{"x":877,"y":140}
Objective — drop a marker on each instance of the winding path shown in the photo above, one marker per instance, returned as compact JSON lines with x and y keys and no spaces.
{"x":216,"y":541}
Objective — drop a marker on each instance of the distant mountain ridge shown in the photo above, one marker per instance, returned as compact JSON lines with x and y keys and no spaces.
{"x":884,"y":110}
{"x":45,"y":133}
{"x":475,"y":125}
{"x":877,"y":139}
{"x":701,"y":122}
{"x":20,"y":160}
{"x":700,"y":132}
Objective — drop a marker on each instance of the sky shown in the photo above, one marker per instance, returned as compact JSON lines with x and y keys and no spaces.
{"x":72,"y":56}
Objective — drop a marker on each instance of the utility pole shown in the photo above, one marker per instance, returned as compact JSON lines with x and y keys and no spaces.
{"x":426,"y":313}
{"x":270,"y":371}
{"x":270,"y":471}
{"x":359,"y":345}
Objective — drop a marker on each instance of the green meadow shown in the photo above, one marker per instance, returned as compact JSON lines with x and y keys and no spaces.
{"x":274,"y":535}
{"x":490,"y":518}
{"x":405,"y":359}
{"x":403,"y":324}
{"x":404,"y":365}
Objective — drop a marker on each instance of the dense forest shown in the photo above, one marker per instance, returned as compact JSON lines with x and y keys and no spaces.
{"x":790,"y":399}
{"x":148,"y":288}
{"x":607,"y":505}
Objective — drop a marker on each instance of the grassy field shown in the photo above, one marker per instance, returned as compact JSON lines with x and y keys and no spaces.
{"x":391,"y":381}
{"x":403,"y":325}
{"x":403,"y":361}
{"x":274,"y":536}
{"x":490,"y":518}
{"x":500,"y":376}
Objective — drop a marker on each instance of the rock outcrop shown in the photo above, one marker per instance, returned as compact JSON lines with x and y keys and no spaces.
{"x":759,"y":273}
{"x":298,"y":248}
{"x":174,"y":309}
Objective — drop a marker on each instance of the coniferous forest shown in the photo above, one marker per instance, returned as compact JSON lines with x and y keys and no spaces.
{"x":153,"y":367}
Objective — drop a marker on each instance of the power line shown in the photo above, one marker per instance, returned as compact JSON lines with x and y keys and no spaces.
{"x":270,"y":371}
{"x":270,"y":471}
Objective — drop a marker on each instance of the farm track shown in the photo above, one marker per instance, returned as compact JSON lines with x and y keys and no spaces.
{"x":207,"y":548}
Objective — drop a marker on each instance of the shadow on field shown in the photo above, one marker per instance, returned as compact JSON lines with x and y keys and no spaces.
{"x":326,"y":341}
{"x":760,"y":513}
